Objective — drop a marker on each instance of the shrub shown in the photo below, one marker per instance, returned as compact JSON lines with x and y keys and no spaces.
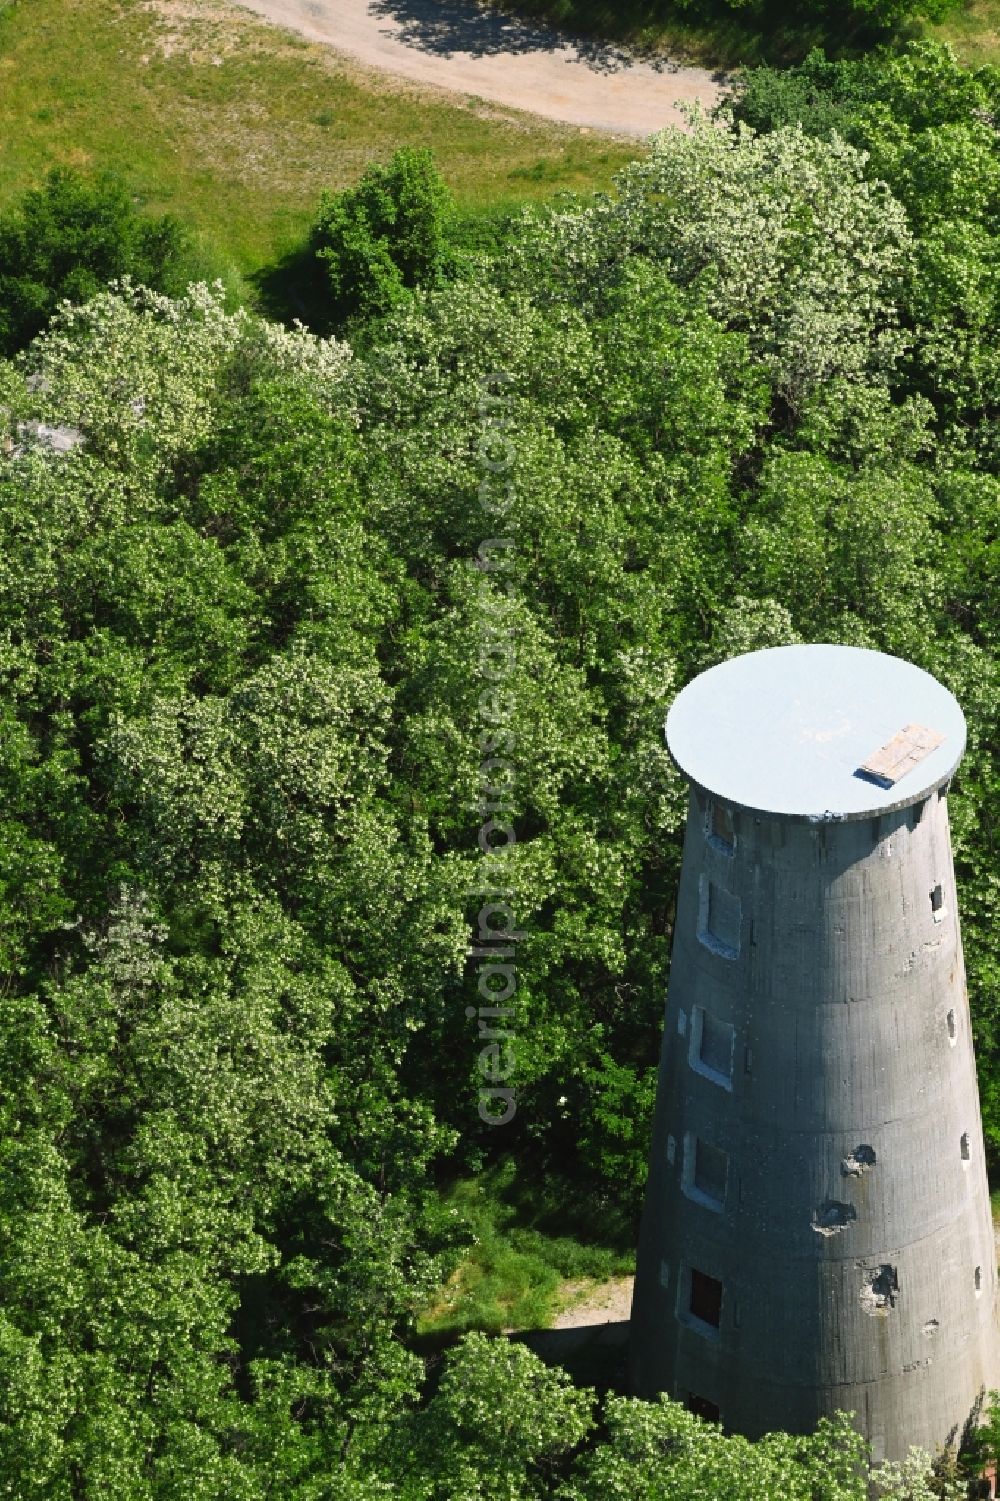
{"x":68,"y":239}
{"x":384,"y":237}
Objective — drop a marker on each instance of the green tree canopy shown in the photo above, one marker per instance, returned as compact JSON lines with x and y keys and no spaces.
{"x":68,"y":239}
{"x":749,"y":398}
{"x":384,"y":237}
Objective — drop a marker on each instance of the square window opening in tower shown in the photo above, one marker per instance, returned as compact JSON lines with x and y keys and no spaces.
{"x":710,"y":1173}
{"x":705,"y":1301}
{"x":720,"y":828}
{"x":719,"y":919}
{"x":706,"y":1172}
{"x":711,"y":1048}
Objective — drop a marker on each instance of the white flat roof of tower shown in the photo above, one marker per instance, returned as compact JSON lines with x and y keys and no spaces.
{"x":785,"y":731}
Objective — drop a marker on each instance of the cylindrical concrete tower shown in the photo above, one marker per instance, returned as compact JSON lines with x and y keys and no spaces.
{"x":817,"y":1231}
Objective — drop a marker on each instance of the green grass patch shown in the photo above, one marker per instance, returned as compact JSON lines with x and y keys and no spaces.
{"x":237,"y":126}
{"x":515,"y":1275}
{"x":973,"y":31}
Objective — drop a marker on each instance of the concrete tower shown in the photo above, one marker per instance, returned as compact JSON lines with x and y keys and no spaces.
{"x":817,"y":1231}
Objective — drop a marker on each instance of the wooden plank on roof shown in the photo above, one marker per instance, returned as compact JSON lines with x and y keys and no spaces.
{"x":907,"y":749}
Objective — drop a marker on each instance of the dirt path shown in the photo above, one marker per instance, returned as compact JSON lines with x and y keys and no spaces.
{"x":608,"y":1303}
{"x":458,"y":46}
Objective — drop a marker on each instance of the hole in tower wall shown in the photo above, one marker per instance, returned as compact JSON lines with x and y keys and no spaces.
{"x":978,"y":1280}
{"x":937,"y":903}
{"x":964,"y":1147}
{"x":951,"y":1026}
{"x":832,"y":1216}
{"x":861,"y":1160}
{"x":879,"y":1290}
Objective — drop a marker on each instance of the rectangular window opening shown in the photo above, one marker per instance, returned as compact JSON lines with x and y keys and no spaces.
{"x":719,"y":919}
{"x":706,"y":1298}
{"x":706,"y":1173}
{"x":711,"y":1049}
{"x":711,"y":1170}
{"x":720,"y":828}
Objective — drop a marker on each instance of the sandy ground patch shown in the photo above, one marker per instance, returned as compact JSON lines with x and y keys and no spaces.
{"x":587,"y":1305}
{"x":456,"y":45}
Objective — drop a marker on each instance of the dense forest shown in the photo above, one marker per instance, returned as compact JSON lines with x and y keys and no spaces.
{"x":334,"y":663}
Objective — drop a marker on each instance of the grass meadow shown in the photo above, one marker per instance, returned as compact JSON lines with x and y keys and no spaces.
{"x":237,"y":127}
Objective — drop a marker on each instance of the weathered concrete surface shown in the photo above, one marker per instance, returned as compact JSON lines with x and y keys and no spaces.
{"x":830,"y":1060}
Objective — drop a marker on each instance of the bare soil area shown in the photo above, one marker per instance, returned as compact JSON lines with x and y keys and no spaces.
{"x":460,"y":46}
{"x":588,"y":1306}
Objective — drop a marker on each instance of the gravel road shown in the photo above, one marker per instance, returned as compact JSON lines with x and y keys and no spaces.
{"x":458,"y":46}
